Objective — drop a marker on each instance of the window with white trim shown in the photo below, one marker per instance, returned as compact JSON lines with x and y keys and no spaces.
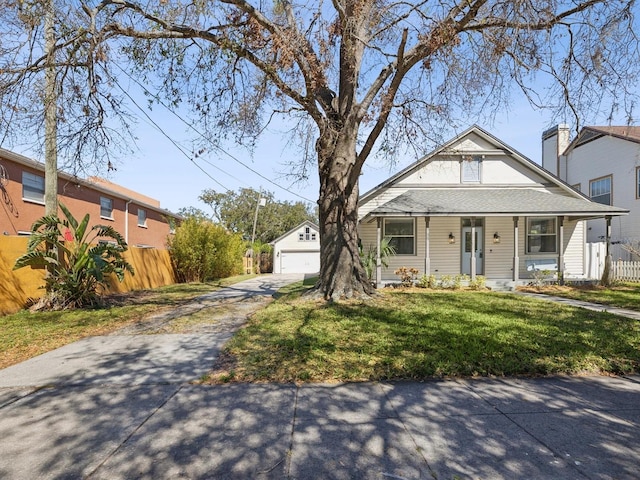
{"x":106,"y":207}
{"x":401,"y":234}
{"x":470,"y":169}
{"x":542,"y":235}
{"x":638,"y":182}
{"x":307,"y":235}
{"x":142,"y":217}
{"x":600,"y":190}
{"x":32,"y":187}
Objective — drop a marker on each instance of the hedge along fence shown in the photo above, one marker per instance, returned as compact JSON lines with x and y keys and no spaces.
{"x":152,"y":268}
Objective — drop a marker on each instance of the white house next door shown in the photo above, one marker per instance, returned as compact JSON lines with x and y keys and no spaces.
{"x":466,"y":250}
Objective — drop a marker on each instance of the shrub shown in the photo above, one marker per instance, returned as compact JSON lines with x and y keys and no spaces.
{"x":407,"y":276}
{"x":201,"y":251}
{"x":427,"y":281}
{"x":446,"y":281}
{"x":478,"y":284}
{"x":457,"y":281}
{"x":78,"y":259}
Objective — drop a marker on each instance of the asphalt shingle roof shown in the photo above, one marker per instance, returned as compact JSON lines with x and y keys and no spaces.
{"x":491,"y":201}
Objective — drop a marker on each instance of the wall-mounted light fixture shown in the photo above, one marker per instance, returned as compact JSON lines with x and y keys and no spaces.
{"x":452,"y":239}
{"x":496,"y":238}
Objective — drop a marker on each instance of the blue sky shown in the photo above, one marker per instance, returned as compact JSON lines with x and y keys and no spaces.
{"x":160,"y":170}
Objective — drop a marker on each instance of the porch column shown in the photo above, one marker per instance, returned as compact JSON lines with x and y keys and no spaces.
{"x":561,"y":248}
{"x":378,"y":259}
{"x":516,"y":258}
{"x":473,"y":248}
{"x":606,"y":275}
{"x":427,"y":253}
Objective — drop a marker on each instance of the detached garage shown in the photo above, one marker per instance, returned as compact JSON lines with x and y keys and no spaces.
{"x":298,"y":250}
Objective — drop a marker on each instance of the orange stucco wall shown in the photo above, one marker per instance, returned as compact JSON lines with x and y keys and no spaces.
{"x":152,"y":269}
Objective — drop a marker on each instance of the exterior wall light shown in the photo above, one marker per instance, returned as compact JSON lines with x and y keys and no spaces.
{"x":496,"y":238}
{"x":452,"y":239}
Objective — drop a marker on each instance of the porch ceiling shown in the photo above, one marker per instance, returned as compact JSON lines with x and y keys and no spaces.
{"x":492,"y":202}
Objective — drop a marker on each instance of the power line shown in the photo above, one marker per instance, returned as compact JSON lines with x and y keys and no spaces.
{"x":175,"y":144}
{"x":217,"y":147}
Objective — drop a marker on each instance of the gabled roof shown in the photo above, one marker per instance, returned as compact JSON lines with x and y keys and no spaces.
{"x":491,"y":201}
{"x":457,"y":200}
{"x":588,"y":134}
{"x":297,"y":227}
{"x":447,"y":149}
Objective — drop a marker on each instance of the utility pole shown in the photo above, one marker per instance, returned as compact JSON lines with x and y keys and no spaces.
{"x":50,"y":114}
{"x":261,"y":203}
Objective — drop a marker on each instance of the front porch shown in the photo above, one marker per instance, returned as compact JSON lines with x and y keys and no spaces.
{"x":507,"y":251}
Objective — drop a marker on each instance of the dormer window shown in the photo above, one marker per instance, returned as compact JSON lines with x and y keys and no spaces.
{"x":471,"y":169}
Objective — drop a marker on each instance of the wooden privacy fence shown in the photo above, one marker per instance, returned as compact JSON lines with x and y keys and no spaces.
{"x":625,"y":271}
{"x":152,"y":269}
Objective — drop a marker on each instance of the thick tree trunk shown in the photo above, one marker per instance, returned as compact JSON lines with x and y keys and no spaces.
{"x":342,"y":274}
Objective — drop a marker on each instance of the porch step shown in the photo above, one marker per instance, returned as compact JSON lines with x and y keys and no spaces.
{"x":501,"y":285}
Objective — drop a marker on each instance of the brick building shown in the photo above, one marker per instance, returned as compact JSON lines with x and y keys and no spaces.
{"x":136,"y":217}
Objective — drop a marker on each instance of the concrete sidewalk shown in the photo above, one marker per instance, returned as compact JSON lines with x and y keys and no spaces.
{"x":550,"y":428}
{"x":123,"y":407}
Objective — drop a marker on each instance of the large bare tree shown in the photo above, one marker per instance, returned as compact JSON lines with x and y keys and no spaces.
{"x":354,"y":78}
{"x":54,"y":76}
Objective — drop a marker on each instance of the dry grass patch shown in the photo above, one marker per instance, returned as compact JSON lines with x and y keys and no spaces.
{"x":27,"y":334}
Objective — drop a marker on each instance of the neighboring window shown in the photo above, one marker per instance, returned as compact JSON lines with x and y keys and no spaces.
{"x":142,"y":217}
{"x":541,"y":235}
{"x":307,"y":235}
{"x":470,"y":169}
{"x":637,"y":182}
{"x":106,"y":207}
{"x":401,"y":234}
{"x":32,"y":187}
{"x":577,"y":187}
{"x":600,"y":190}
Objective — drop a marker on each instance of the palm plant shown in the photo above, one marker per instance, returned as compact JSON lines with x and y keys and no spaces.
{"x":78,"y":259}
{"x":369,"y":257}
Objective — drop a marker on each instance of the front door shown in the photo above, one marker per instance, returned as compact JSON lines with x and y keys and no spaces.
{"x":466,"y":250}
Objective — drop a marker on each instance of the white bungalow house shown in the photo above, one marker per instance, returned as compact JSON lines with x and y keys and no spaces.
{"x":476,"y":206}
{"x":298,"y":250}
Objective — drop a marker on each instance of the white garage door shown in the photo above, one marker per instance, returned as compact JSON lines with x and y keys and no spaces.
{"x":300,"y":262}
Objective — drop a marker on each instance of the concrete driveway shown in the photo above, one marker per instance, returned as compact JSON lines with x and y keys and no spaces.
{"x":123,"y":407}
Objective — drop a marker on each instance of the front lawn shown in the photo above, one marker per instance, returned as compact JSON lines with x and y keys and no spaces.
{"x":25,"y":334}
{"x":625,"y":295}
{"x":422,"y":334}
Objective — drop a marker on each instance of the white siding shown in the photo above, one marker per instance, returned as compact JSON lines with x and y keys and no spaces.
{"x":381,"y":198}
{"x":505,"y":170}
{"x":291,"y":242}
{"x":574,"y":255}
{"x":616,"y":157}
{"x":498,"y":257}
{"x":435,"y":172}
{"x":445,"y":257}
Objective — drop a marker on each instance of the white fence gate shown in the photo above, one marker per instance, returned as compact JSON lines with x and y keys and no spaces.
{"x":622,"y":270}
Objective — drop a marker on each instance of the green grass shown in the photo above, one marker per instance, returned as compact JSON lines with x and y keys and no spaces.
{"x":626,"y":295}
{"x":419,"y":334}
{"x":26,"y":334}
